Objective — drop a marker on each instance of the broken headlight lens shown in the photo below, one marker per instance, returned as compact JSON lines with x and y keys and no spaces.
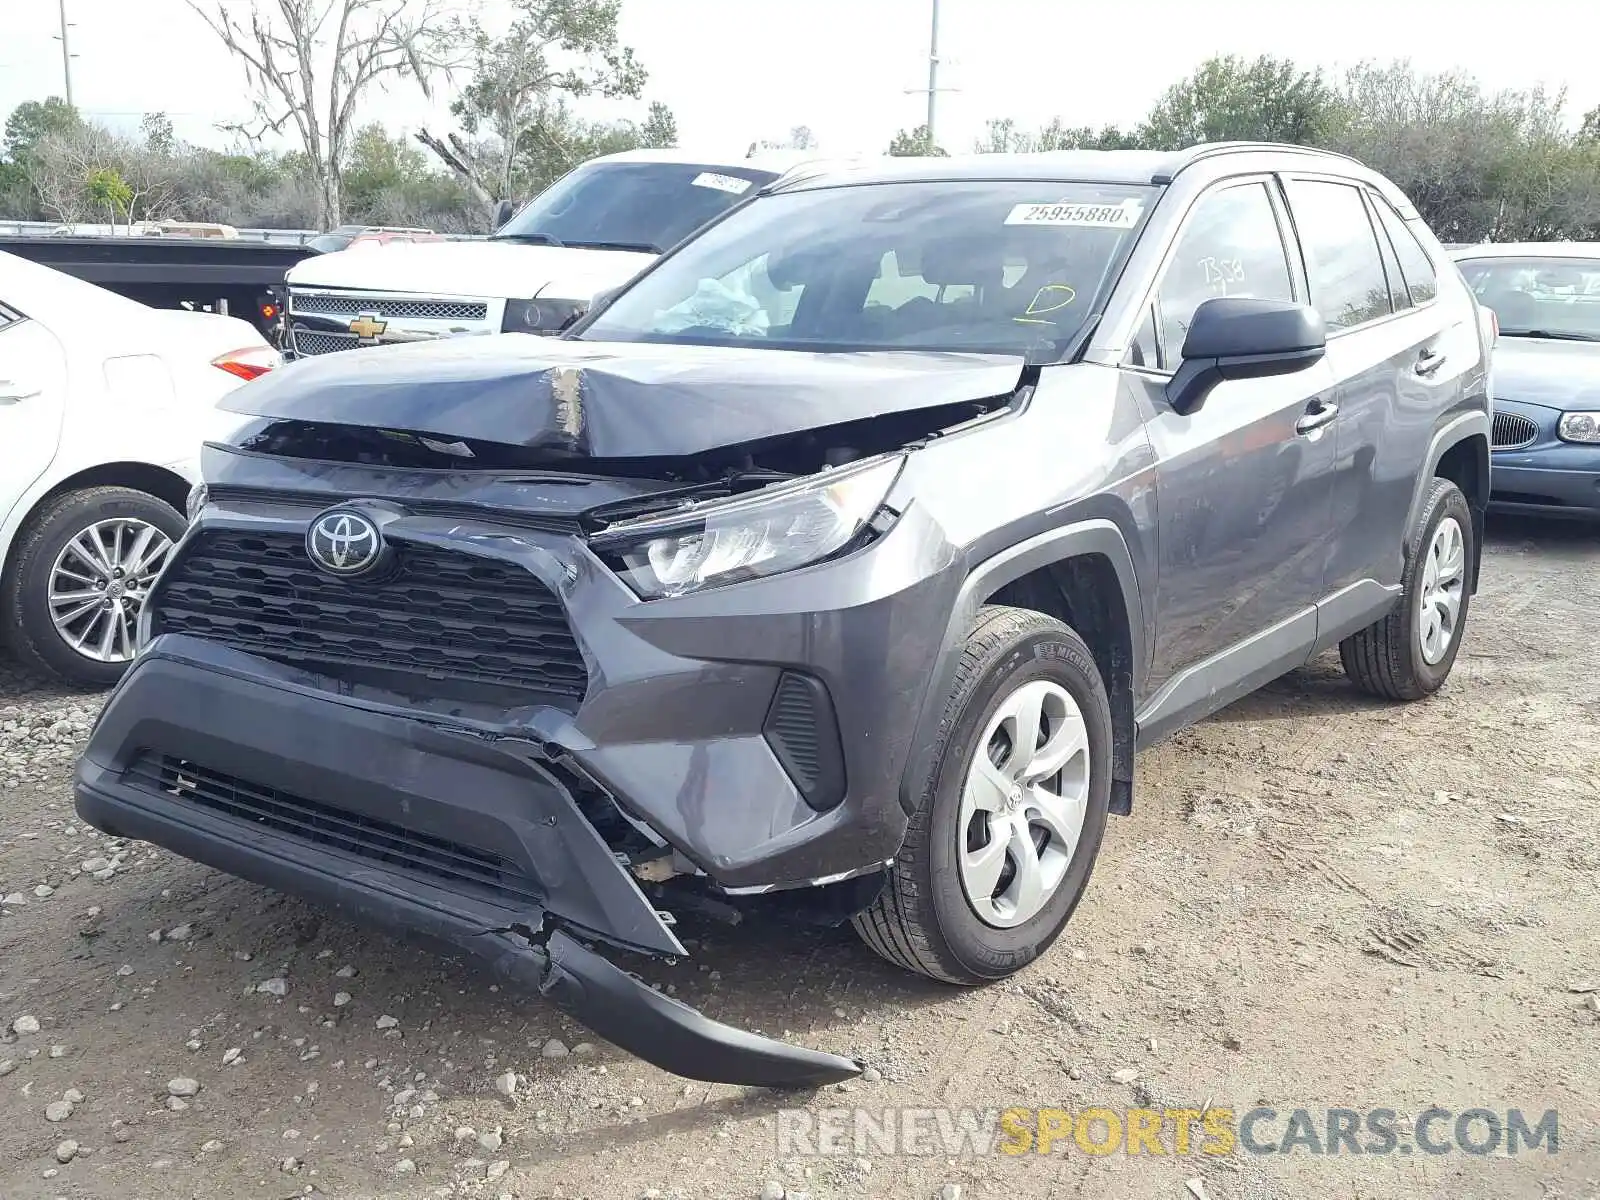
{"x":777,"y":529}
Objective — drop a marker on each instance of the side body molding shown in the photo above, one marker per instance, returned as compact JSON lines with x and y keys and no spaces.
{"x":1098,"y":536}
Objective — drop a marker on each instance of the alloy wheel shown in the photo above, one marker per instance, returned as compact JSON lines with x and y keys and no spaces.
{"x":99,"y":583}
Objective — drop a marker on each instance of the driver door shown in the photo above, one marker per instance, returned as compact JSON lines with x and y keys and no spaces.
{"x":1245,"y":483}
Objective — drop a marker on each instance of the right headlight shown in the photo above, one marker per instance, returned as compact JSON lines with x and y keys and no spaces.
{"x":776,"y":529}
{"x":1581,"y":427}
{"x":545,"y":317}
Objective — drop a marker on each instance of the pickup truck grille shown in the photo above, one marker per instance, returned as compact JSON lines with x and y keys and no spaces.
{"x":317,"y":320}
{"x":306,"y":342}
{"x":442,"y":624}
{"x":393,"y":307}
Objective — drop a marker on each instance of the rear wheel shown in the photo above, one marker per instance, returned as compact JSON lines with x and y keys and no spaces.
{"x":1408,"y":654}
{"x":1000,"y":849}
{"x":78,"y":581}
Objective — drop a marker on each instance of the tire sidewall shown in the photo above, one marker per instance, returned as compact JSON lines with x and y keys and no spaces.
{"x":27,"y":607}
{"x":1447,"y":501}
{"x":982,"y":949}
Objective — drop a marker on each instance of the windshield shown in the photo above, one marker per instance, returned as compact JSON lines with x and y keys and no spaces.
{"x":648,"y":206}
{"x":1002,"y":267}
{"x":327,"y":243}
{"x":1539,"y":297}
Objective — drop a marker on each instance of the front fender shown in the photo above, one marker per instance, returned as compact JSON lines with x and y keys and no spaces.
{"x":1099,"y":536}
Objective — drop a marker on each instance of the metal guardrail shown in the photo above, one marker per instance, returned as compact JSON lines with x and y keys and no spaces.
{"x":284,"y":237}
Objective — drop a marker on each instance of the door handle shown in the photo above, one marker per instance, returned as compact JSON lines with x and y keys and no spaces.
{"x":1429,"y":361}
{"x":1318,"y":414}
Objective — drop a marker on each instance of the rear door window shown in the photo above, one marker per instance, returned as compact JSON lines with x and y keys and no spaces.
{"x":1343,"y":264}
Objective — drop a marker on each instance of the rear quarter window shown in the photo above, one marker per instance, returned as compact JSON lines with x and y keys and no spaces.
{"x":1421,"y":278}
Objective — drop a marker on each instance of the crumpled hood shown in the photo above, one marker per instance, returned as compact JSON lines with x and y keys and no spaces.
{"x":495,"y":269}
{"x":1564,"y":375}
{"x":616,"y":399}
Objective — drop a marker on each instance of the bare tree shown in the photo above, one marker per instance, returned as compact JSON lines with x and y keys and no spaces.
{"x":310,"y":62}
{"x":554,"y":49}
{"x":86,"y":168}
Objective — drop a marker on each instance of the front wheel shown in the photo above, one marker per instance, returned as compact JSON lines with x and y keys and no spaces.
{"x":1001,"y":846}
{"x":82,"y":569}
{"x":1408,"y":654}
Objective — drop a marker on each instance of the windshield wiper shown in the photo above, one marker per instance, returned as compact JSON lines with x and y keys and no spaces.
{"x":536,"y":239}
{"x":1551,"y":335}
{"x":639,"y":247}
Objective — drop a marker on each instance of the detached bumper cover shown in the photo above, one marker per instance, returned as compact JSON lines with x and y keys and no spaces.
{"x":472,"y":843}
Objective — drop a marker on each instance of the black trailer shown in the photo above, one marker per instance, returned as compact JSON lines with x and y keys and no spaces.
{"x":243,"y":278}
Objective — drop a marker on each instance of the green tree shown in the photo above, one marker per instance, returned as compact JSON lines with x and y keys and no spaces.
{"x":554,"y":51}
{"x":106,"y":188}
{"x":1228,"y":99}
{"x":1002,"y":136}
{"x":158,"y":135}
{"x":32,"y":121}
{"x":913,"y":143}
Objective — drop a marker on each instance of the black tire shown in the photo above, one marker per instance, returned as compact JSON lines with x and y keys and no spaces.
{"x":922,"y":920}
{"x":24,"y":608}
{"x":1386,"y":658}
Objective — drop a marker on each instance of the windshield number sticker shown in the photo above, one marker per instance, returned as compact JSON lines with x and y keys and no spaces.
{"x":1098,"y":216}
{"x":722,"y":183}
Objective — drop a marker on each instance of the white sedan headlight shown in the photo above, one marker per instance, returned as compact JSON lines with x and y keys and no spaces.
{"x":1579,"y":427}
{"x":776,"y":529}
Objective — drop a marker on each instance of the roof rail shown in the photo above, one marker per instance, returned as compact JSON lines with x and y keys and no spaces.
{"x":1207,"y":150}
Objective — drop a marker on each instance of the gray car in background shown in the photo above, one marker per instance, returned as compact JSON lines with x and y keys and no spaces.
{"x":1546,"y":298}
{"x":836,"y":568}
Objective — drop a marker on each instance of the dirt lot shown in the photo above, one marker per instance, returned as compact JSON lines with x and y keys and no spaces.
{"x":1320,"y":901}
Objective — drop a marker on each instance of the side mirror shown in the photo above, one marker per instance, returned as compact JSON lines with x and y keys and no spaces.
{"x":1232,"y":337}
{"x":504,"y":210}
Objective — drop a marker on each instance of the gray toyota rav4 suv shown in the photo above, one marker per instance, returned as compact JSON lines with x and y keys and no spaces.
{"x":837,"y":567}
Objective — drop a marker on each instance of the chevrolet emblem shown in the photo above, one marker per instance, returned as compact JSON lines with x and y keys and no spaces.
{"x":367,"y":327}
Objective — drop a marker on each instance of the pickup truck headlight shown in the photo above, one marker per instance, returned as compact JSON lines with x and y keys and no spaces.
{"x":1579,"y":427}
{"x":541,"y":316}
{"x":777,"y":529}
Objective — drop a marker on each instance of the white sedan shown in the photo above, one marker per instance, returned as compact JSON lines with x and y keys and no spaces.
{"x":104,"y":404}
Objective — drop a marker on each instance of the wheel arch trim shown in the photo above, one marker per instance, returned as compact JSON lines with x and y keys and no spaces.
{"x":1451,"y":434}
{"x":1094,"y":537}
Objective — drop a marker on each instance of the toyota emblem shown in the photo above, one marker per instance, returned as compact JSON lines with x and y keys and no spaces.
{"x":343,"y":542}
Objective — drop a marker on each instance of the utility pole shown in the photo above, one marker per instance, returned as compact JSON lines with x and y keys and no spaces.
{"x":933,"y":89}
{"x":66,"y":51}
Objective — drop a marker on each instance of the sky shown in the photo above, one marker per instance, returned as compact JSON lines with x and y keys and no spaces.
{"x":737,"y":71}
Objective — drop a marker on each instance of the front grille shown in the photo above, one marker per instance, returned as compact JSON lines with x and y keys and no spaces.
{"x":306,"y":342}
{"x":394,"y":846}
{"x":442,"y":623}
{"x":392,"y":307}
{"x":1512,"y":431}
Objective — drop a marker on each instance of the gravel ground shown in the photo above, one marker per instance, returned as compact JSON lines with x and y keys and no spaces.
{"x":1320,"y":901}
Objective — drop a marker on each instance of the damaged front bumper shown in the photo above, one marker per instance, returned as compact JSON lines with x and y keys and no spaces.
{"x":473,"y":842}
